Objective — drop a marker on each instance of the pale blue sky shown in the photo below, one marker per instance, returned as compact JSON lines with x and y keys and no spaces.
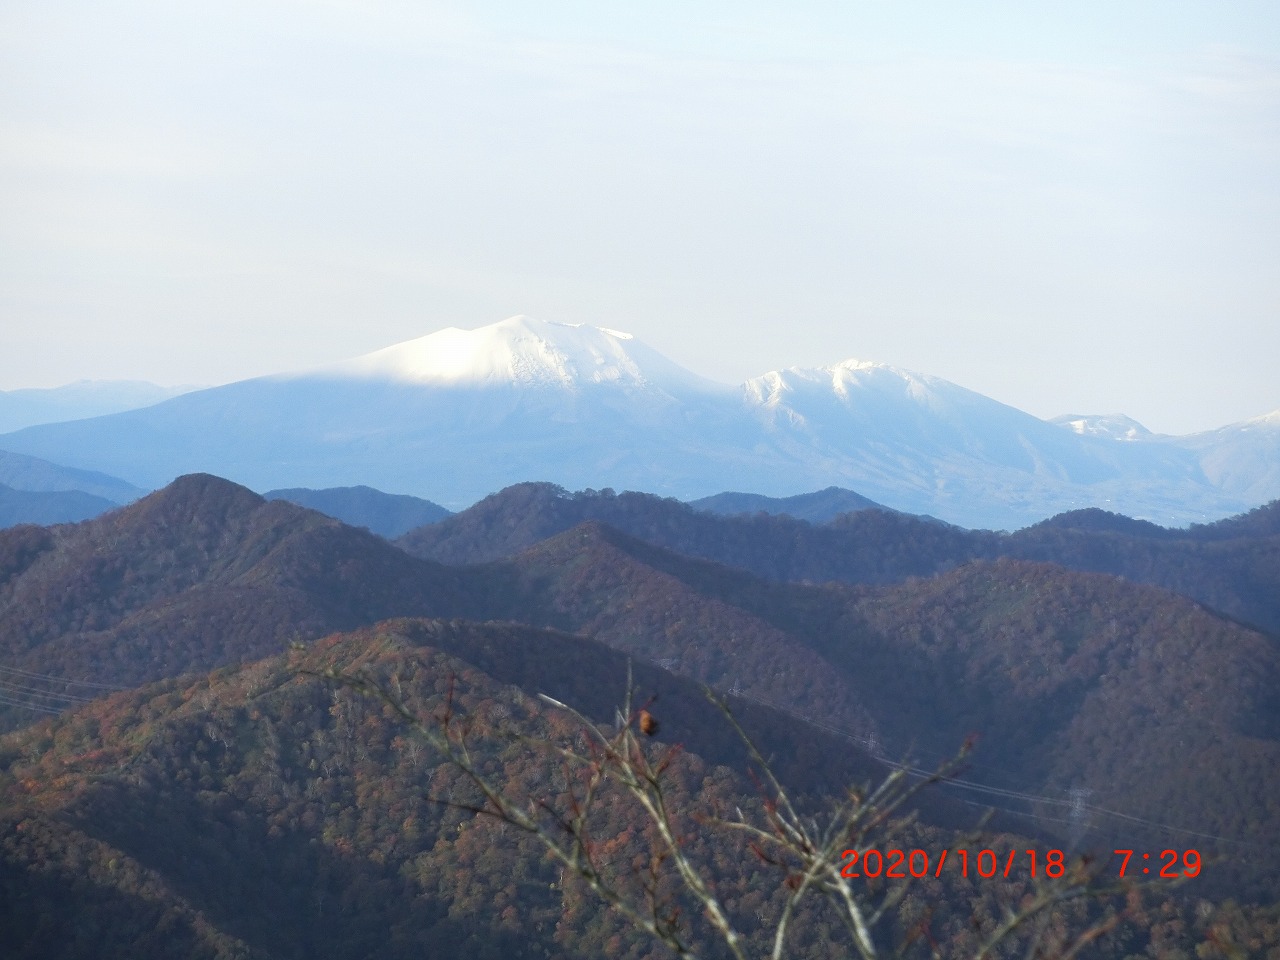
{"x":1070,"y":208}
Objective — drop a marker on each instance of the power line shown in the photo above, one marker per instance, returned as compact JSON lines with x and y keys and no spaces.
{"x":28,"y":706}
{"x":50,"y":694}
{"x":52,"y":679}
{"x":29,"y":690}
{"x":872,"y":748}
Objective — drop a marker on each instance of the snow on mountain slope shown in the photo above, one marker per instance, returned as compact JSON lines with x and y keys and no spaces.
{"x":526,"y":352}
{"x":878,"y":400}
{"x":450,"y":417}
{"x":924,"y":444}
{"x":1241,"y":459}
{"x":876,"y":408}
{"x":1115,"y":426}
{"x":459,"y":414}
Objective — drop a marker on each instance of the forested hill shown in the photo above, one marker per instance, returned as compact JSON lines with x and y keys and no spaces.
{"x":199,"y":574}
{"x":1107,"y":712}
{"x":869,"y":546}
{"x":261,"y":812}
{"x":817,"y":507}
{"x":1232,"y":566}
{"x":1046,"y":664}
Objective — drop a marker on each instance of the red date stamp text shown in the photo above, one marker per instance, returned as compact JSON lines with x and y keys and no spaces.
{"x":900,"y":864}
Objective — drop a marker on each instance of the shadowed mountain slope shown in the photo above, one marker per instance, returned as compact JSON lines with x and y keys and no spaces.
{"x":1076,"y":681}
{"x":817,"y":507}
{"x":1232,"y":566}
{"x":871,"y":546}
{"x":1044,"y":663}
{"x":262,"y":812}
{"x":386,"y":514}
{"x":259,"y":812}
{"x":199,"y":574}
{"x":1263,"y":521}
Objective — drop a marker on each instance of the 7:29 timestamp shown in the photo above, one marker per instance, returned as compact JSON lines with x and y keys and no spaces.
{"x":1171,"y":864}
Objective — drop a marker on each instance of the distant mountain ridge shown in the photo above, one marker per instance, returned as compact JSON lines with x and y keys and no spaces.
{"x":75,"y":401}
{"x":521,"y":351}
{"x":1115,"y":426}
{"x":817,"y":507}
{"x":1232,"y":566}
{"x":459,"y":414}
{"x":47,"y":507}
{"x":40,"y":476}
{"x":36,"y":491}
{"x":386,"y":514}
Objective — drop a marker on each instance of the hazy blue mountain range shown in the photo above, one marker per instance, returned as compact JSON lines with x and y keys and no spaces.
{"x":458,"y":414}
{"x":46,"y":507}
{"x":386,"y":514}
{"x":75,"y":401}
{"x":820,"y":506}
{"x":22,"y":472}
{"x":37,"y":491}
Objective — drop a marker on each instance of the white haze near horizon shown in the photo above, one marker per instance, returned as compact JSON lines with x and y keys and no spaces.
{"x":1074,"y":210}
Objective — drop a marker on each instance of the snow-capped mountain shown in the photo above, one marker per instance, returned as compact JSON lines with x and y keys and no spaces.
{"x":927,"y":445}
{"x":1241,"y":459}
{"x":1116,"y":426}
{"x":458,"y":414}
{"x":523,"y":352}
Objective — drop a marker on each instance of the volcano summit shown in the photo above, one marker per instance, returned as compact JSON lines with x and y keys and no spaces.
{"x":457,"y":414}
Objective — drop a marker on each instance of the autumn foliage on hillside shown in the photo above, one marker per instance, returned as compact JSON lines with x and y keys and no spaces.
{"x":1112,"y":701}
{"x":200,"y":574}
{"x":1232,"y":566}
{"x":260,"y":812}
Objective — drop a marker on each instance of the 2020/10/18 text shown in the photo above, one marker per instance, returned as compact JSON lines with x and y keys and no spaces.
{"x":900,"y":864}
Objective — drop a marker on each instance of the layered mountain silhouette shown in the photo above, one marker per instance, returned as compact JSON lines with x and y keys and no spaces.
{"x":48,"y":507}
{"x":262,"y":812}
{"x":1232,"y":566}
{"x":200,"y":574}
{"x":1045,"y":663}
{"x":36,"y":491}
{"x":386,"y":514}
{"x":75,"y":401}
{"x":817,"y":507}
{"x":34,"y":475}
{"x":459,"y":414}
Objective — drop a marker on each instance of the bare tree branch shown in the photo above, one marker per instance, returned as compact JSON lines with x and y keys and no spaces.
{"x":808,"y":854}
